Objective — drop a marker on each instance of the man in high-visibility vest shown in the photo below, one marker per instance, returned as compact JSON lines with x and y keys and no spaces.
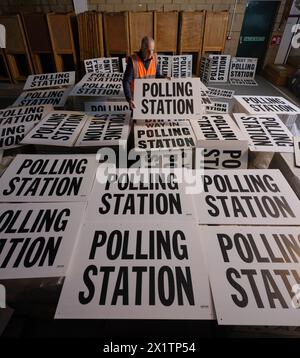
{"x":142,"y":64}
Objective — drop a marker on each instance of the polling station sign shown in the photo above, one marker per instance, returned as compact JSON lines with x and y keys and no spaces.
{"x":15,"y":123}
{"x":165,"y":64}
{"x":167,"y":99}
{"x":182,"y":66}
{"x":242,"y":67}
{"x":50,"y":80}
{"x":57,"y":97}
{"x":99,"y":84}
{"x":104,"y":107}
{"x":256,"y":197}
{"x":205,"y":69}
{"x":254,"y":274}
{"x":47,"y":178}
{"x":220,"y":92}
{"x":178,"y":136}
{"x":121,"y":271}
{"x":139,"y":195}
{"x":105,"y":129}
{"x":266,"y":133}
{"x":223,"y":144}
{"x":37,"y":239}
{"x":102,"y":64}
{"x":219,"y":67}
{"x":218,"y":107}
{"x":59,"y":128}
{"x":266,"y":104}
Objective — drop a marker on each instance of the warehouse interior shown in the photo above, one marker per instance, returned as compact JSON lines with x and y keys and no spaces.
{"x":171,"y":260}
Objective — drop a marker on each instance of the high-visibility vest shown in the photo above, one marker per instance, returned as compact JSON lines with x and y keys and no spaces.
{"x":139,"y":70}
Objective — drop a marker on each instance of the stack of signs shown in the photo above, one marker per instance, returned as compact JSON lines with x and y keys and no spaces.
{"x":104,"y":107}
{"x":46,"y":178}
{"x":266,"y":133}
{"x":50,"y":80}
{"x":37,"y":237}
{"x":15,"y":123}
{"x":268,"y":104}
{"x":42,"y":89}
{"x":99,"y":84}
{"x":167,"y":99}
{"x":254,"y":274}
{"x":134,"y":270}
{"x":222,"y":144}
{"x":242,"y":71}
{"x":60,"y":128}
{"x":220,"y":92}
{"x":165,"y":135}
{"x":102,"y":64}
{"x":218,"y":68}
{"x":110,"y":129}
{"x":57,"y":97}
{"x":77,"y":129}
{"x":165,"y":65}
{"x":182,"y":66}
{"x":243,"y":197}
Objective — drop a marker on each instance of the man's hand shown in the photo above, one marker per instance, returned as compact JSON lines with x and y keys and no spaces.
{"x":131,"y":104}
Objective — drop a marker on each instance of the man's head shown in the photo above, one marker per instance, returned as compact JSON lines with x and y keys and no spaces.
{"x":147,"y":47}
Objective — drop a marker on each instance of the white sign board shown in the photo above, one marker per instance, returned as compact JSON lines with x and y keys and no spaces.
{"x":167,"y":99}
{"x":266,"y":133}
{"x":35,"y":177}
{"x":134,"y":195}
{"x":56,"y":97}
{"x":219,"y":68}
{"x":224,"y":146}
{"x":133,"y":270}
{"x":218,"y":107}
{"x":102,"y":64}
{"x":46,"y":80}
{"x":255,"y":197}
{"x":266,"y":104}
{"x":105,"y":129}
{"x":220,"y":92}
{"x":297,"y":151}
{"x":57,"y":128}
{"x":176,"y":136}
{"x":37,"y":239}
{"x":99,"y":84}
{"x":254,"y":274}
{"x":165,"y":64}
{"x":242,"y":67}
{"x":16,"y":122}
{"x":104,"y":107}
{"x":182,"y":66}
